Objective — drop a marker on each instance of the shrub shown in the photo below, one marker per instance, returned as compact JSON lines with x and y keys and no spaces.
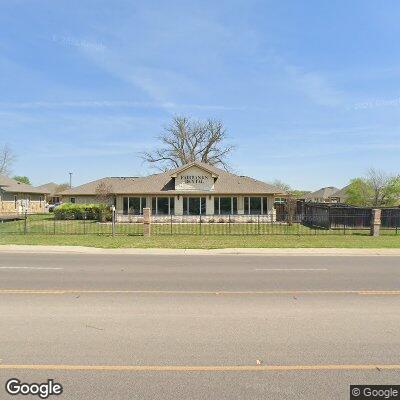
{"x":68,"y":211}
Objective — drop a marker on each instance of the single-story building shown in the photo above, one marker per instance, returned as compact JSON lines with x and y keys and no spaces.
{"x":17,"y":197}
{"x":193,"y":189}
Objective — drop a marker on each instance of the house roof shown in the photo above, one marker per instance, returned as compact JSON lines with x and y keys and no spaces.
{"x":341,"y":193}
{"x":48,"y":187}
{"x":323,"y":193}
{"x":162,"y":183}
{"x":203,"y":166}
{"x":12,"y":186}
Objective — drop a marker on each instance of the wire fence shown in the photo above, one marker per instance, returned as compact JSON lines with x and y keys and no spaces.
{"x":132,"y":225}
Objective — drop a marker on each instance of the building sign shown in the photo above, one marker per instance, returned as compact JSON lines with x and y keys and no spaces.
{"x":194,"y":179}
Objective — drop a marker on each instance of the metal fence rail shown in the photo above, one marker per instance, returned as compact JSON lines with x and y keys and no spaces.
{"x":320,"y":223}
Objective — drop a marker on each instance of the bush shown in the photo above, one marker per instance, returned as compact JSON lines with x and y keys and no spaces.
{"x":99,"y":212}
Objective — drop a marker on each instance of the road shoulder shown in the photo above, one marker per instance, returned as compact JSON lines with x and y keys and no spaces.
{"x":227,"y":251}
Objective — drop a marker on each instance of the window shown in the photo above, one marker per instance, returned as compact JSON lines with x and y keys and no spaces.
{"x":134,"y":205}
{"x":40,"y":200}
{"x":280,"y":200}
{"x":15,"y":202}
{"x":255,"y":205}
{"x":194,"y":205}
{"x":73,"y":200}
{"x":225,"y":205}
{"x":163,"y":205}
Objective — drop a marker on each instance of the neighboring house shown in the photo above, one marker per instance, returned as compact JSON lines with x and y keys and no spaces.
{"x":51,"y":188}
{"x":322,"y":195}
{"x":17,"y":197}
{"x":340,"y":196}
{"x":195,"y":188}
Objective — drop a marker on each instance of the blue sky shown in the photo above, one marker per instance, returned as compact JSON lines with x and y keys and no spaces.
{"x":308,"y":91}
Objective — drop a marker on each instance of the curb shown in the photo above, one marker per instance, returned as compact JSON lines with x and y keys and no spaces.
{"x":33,"y":249}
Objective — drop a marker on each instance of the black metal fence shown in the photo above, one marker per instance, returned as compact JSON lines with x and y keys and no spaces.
{"x":317,"y":221}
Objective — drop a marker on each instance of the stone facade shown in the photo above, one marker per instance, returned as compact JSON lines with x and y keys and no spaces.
{"x":21,"y":203}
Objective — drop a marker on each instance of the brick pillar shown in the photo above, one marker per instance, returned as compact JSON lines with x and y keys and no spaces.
{"x":146,"y":221}
{"x":375,"y":222}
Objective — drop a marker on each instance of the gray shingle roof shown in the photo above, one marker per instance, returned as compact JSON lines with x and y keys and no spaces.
{"x":226,"y":183}
{"x":323,"y":193}
{"x":341,"y":193}
{"x":48,"y":187}
{"x":12,"y":186}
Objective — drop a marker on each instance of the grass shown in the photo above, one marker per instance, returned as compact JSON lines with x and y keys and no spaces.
{"x":44,"y":230}
{"x":207,"y":242}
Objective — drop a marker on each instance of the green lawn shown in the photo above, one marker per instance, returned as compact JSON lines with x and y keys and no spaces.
{"x":43,"y":229}
{"x":46,"y":224}
{"x":206,"y":242}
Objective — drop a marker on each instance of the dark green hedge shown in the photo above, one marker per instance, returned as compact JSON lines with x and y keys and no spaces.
{"x":99,"y":212}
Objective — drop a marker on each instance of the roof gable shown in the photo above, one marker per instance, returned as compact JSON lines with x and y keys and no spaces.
{"x":202,"y":166}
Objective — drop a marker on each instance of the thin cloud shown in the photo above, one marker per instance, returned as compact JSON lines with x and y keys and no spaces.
{"x":116,"y":104}
{"x":69,"y":41}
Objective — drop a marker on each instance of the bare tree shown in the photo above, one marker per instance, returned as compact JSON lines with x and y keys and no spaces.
{"x":184,"y":141}
{"x":103,"y":193}
{"x":60,"y":188}
{"x":282,"y":185}
{"x":381,"y":185}
{"x":7,"y":158}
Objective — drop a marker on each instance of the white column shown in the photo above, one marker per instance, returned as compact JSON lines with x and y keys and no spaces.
{"x":240,"y":204}
{"x":179,"y":205}
{"x":209,"y":205}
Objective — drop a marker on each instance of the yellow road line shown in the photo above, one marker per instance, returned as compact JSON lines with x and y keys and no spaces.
{"x":200,"y":368}
{"x":197,"y":292}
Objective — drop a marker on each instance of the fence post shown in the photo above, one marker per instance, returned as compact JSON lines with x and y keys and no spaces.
{"x":200,"y":223}
{"x":375,"y":222}
{"x":113,"y":219}
{"x":146,"y":221}
{"x":258,"y":224}
{"x":171,"y":231}
{"x":25,"y":223}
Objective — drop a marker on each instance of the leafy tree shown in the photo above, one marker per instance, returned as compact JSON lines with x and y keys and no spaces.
{"x":299,"y":193}
{"x":376,"y":189}
{"x":185,"y":140}
{"x":288,"y":189}
{"x":22,"y":179}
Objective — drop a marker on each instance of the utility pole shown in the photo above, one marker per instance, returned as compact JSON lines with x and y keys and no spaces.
{"x":70,"y":180}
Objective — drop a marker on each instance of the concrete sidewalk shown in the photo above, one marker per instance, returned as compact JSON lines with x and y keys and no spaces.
{"x":232,"y":251}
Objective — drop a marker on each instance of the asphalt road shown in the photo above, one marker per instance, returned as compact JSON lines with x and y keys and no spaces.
{"x":199,"y":327}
